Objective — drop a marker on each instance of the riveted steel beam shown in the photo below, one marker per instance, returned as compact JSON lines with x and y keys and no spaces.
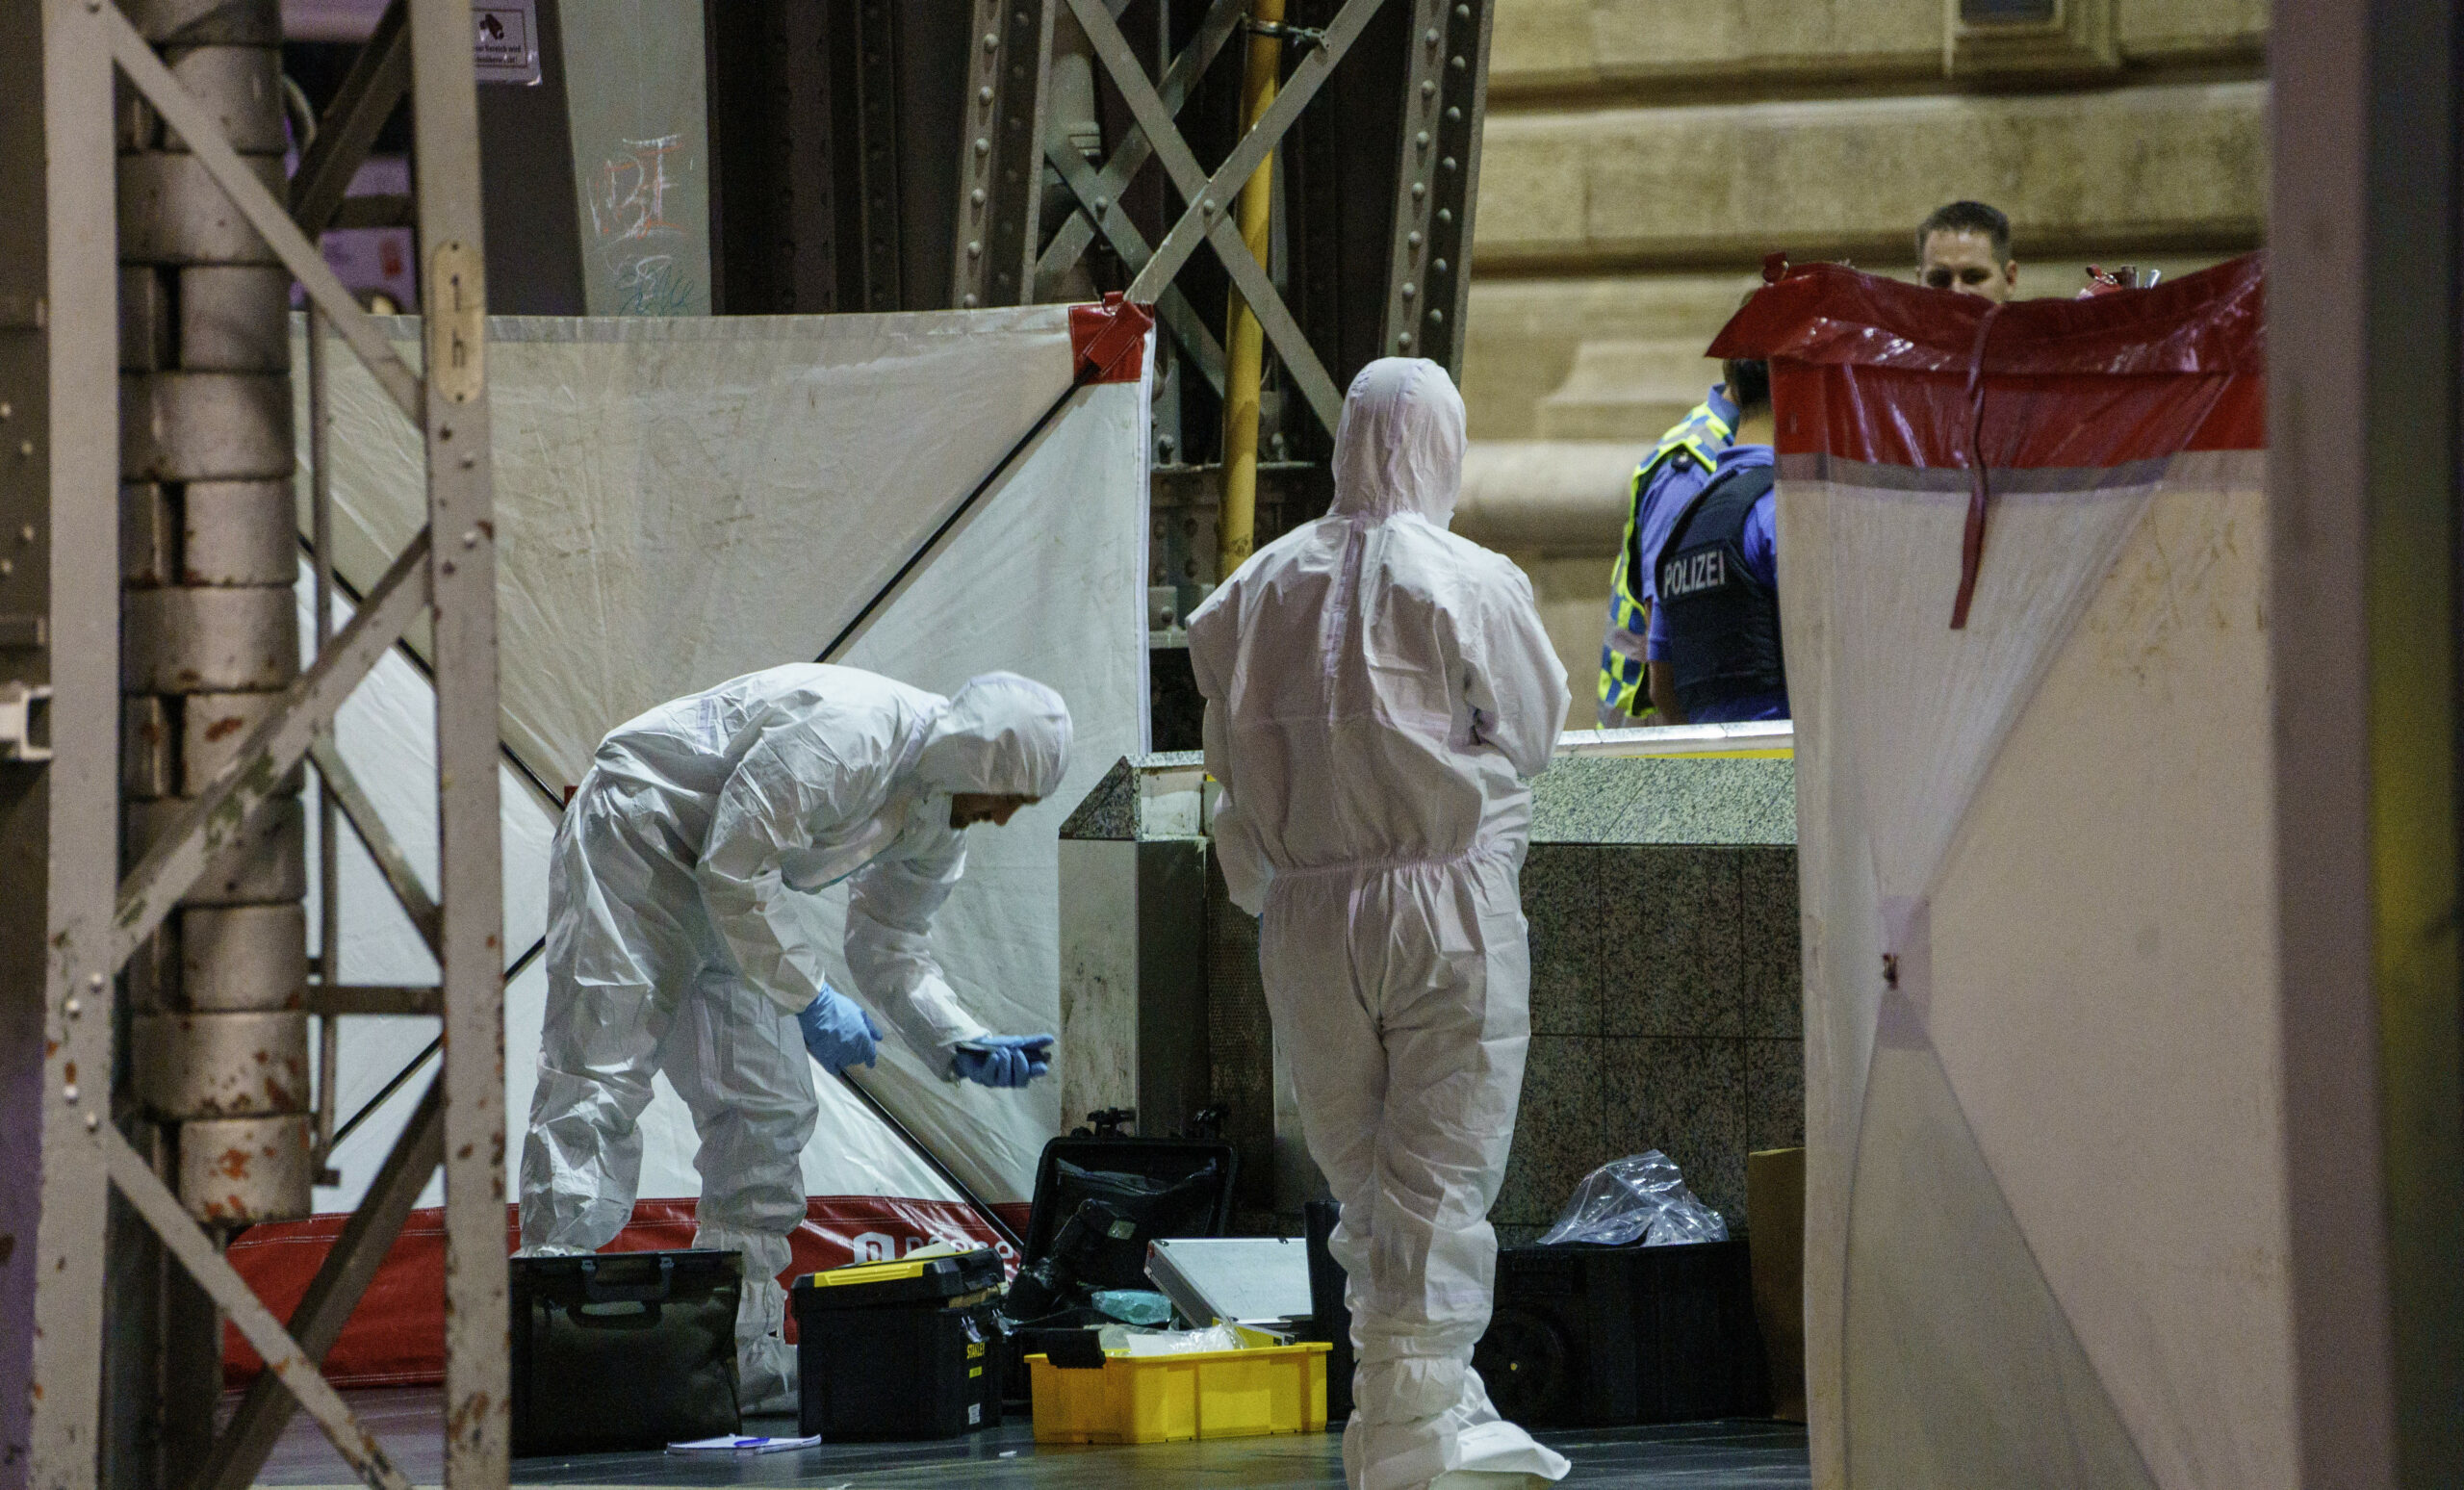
{"x":1438,"y":182}
{"x":1001,"y":154}
{"x":444,"y":122}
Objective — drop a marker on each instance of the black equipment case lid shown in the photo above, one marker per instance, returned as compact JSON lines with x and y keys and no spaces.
{"x":1159,"y":1161}
{"x":930,"y":1280}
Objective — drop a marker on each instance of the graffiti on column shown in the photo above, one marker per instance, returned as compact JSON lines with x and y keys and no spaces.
{"x":636,"y":241}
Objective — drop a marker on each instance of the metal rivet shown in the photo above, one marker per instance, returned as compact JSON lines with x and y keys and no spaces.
{"x":469,"y":538}
{"x":8,"y":567}
{"x":1207,"y":208}
{"x":991,"y":44}
{"x":1414,"y":239}
{"x":25,"y":447}
{"x":68,"y":1092}
{"x":95,"y":983}
{"x":1456,"y":64}
{"x":1419,"y":188}
{"x":1410,"y":288}
{"x":1436,"y":317}
{"x":469,"y":462}
{"x":976,"y":197}
{"x":6,"y":410}
{"x":1404,"y":339}
{"x":1453,"y":115}
{"x":974,"y":247}
{"x":1103,"y":203}
{"x":1445,"y":215}
{"x":1462,"y":12}
{"x":26,"y":535}
{"x":1420,"y":139}
{"x":1428,"y":88}
{"x":968,"y":303}
{"x":1448,"y":162}
{"x":1431,"y":37}
{"x":982,"y":145}
{"x":93,"y":1120}
{"x":76,"y":1006}
{"x":983,"y":94}
{"x":1440,"y":266}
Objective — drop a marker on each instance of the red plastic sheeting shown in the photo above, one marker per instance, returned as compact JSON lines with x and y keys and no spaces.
{"x":397,"y":1336}
{"x":1875,"y":369}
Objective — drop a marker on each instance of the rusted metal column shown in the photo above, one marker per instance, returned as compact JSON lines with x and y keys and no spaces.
{"x":211,"y":632}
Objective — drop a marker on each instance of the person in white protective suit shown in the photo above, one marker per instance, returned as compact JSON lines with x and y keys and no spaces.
{"x":672,"y":943}
{"x":1378,"y":695}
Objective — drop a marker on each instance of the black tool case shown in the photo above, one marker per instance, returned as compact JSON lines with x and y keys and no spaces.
{"x":1162,"y":1186}
{"x":904,"y":1350}
{"x":624,"y":1350}
{"x":1586,"y":1336}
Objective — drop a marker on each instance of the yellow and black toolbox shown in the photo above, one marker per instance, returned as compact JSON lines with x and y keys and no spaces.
{"x":901,"y":1349}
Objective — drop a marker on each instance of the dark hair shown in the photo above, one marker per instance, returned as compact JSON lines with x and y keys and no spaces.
{"x":1967,"y":217}
{"x":1749,"y":384}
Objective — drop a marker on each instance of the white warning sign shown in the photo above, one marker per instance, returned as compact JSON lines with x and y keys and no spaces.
{"x":504,"y":44}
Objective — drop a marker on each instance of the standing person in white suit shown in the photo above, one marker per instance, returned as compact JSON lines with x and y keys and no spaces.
{"x":673,"y":944}
{"x":1379,"y":694}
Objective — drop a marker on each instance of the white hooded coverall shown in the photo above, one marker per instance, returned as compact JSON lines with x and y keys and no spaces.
{"x":670,"y":946}
{"x":1379,"y":693}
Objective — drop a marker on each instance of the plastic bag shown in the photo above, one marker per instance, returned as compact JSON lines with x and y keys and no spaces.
{"x":1123,"y":1338}
{"x":1134,"y":1306}
{"x":1640,"y":1197}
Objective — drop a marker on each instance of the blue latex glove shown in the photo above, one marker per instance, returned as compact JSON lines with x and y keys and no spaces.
{"x":838,"y":1034}
{"x":1003,"y":1060}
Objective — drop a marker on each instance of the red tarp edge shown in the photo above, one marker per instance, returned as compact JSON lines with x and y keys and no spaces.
{"x":1873,"y":370}
{"x":397,"y":1336}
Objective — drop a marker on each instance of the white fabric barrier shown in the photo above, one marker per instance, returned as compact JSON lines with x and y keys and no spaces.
{"x":681,"y":502}
{"x":2045,"y":1210}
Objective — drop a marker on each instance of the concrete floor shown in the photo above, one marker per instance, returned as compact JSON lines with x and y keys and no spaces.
{"x":1731,"y":1456}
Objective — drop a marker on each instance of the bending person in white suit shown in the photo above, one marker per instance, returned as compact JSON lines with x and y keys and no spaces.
{"x":1378,"y":695}
{"x":672,"y":943}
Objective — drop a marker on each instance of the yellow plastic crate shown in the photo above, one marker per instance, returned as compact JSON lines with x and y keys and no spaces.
{"x":1165,"y":1399}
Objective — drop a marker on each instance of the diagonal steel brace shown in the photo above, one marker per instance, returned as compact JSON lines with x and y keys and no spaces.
{"x":378,"y":78}
{"x":1196,"y":222}
{"x":197,"y":129}
{"x":391,"y":860}
{"x":1204,"y":218}
{"x":333,"y":1293}
{"x":1135,"y":149}
{"x":254,"y":776}
{"x":289,"y":1364}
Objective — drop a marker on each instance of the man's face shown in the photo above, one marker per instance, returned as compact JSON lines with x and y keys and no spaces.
{"x":968,"y":808}
{"x":1963,"y":264}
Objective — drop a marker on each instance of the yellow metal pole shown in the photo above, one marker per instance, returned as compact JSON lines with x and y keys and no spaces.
{"x":1244,"y":341}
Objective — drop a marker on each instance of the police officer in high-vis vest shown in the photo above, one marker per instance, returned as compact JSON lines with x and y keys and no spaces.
{"x":1714,"y":640}
{"x":1667,"y":478}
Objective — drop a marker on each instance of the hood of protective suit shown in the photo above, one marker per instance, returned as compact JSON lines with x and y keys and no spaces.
{"x":1003,"y":735}
{"x":1399,"y":446}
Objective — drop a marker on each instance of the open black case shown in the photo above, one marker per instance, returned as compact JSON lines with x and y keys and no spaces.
{"x":1121,"y":1192}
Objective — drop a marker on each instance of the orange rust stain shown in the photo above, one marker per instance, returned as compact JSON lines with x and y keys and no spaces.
{"x":70,"y":1070}
{"x":464,"y":1152}
{"x":220,"y":727}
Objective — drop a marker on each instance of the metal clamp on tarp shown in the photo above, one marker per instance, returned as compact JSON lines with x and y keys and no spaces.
{"x":1110,"y":340}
